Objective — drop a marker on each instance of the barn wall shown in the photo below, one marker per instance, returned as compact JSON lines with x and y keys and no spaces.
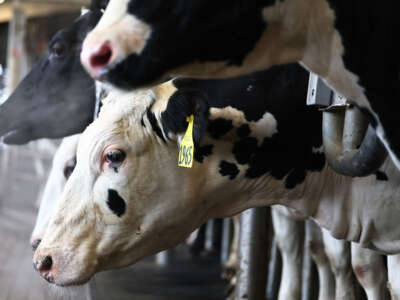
{"x":41,"y":30}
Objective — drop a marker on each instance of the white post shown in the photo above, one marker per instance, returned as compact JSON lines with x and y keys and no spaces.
{"x":17,"y":62}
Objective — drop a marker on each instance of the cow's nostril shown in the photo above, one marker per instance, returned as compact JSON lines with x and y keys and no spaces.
{"x":35,"y":244}
{"x":45,"y":264}
{"x":101,"y":58}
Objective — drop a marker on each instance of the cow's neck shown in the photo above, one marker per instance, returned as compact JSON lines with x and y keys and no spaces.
{"x":283,"y":41}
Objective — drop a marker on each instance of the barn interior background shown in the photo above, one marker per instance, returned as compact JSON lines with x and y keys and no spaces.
{"x":26,"y":27}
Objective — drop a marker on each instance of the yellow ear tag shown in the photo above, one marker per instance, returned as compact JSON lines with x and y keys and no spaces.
{"x":186,"y":149}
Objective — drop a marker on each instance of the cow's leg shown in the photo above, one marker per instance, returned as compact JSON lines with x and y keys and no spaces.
{"x":315,"y":246}
{"x":394,"y":276}
{"x":370,"y":271}
{"x":339,"y":254}
{"x":232,"y":263}
{"x":289,"y":235}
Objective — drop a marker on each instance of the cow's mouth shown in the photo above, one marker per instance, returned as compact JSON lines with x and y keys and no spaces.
{"x":17,"y":137}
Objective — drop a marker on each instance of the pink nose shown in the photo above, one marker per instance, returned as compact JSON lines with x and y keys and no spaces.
{"x":95,"y":58}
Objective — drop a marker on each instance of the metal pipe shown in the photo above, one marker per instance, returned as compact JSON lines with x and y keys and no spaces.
{"x":209,"y":242}
{"x":226,"y":240}
{"x":92,"y":293}
{"x":351,"y":149}
{"x":164,"y":258}
{"x":253,"y":257}
{"x":274,"y":272}
{"x":355,"y":127}
{"x":347,"y":150}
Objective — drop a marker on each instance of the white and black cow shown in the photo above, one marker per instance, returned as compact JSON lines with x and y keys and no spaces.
{"x":57,"y":98}
{"x":128,"y":199}
{"x":352,"y":45}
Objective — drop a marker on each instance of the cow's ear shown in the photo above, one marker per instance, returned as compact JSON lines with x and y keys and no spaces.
{"x":181,"y":105}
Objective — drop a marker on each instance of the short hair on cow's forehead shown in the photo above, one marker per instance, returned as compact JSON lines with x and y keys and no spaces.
{"x":121,"y":104}
{"x":119,"y":111}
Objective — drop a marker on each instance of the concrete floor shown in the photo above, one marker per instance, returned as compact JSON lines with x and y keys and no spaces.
{"x":20,"y":180}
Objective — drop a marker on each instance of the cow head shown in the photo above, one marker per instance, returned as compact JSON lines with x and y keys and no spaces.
{"x":57,"y":97}
{"x":138,"y":42}
{"x":125,"y":199}
{"x":64,"y":162}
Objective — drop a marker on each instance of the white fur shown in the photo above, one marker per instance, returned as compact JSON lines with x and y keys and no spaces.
{"x":369,"y":268}
{"x":394,"y":276}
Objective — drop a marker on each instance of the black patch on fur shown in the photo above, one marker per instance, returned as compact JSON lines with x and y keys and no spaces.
{"x":317,"y":162}
{"x":116,"y":203}
{"x":243,"y":131}
{"x":244,"y":149}
{"x":154,"y":124}
{"x":381,"y":176}
{"x":201,"y":152}
{"x":142,"y":123}
{"x":370,"y":31}
{"x":294,"y":178}
{"x":181,"y":105}
{"x":228,"y":169}
{"x":280,"y":91}
{"x":219,"y":127}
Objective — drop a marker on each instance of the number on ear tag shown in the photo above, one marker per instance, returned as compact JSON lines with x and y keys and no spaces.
{"x":186,"y":149}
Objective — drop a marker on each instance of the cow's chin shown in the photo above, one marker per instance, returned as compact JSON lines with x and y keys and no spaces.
{"x":68,"y":282}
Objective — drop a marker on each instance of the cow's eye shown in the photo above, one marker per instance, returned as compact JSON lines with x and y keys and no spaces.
{"x":69,"y":167}
{"x":58,"y":50}
{"x":68,"y":171}
{"x":115,"y":158}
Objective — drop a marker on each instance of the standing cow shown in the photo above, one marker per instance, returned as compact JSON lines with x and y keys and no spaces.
{"x":351,"y":45}
{"x":128,"y":199}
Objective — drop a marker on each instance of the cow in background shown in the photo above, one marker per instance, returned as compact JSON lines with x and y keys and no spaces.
{"x":57,"y":97}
